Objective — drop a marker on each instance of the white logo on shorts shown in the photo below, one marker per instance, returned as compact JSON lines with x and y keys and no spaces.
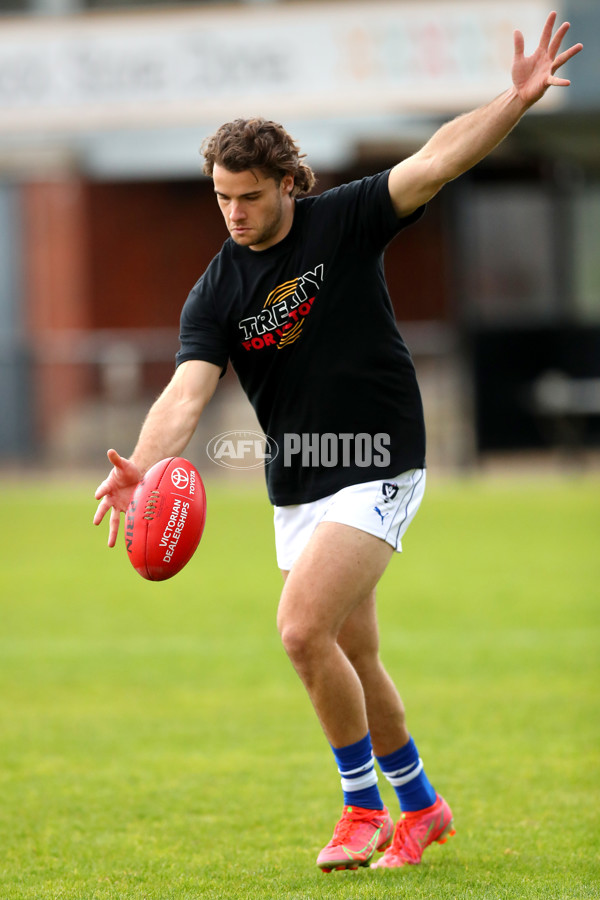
{"x":389,"y":491}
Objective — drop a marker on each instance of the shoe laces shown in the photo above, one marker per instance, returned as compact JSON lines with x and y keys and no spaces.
{"x":403,"y":841}
{"x":351,"y":817}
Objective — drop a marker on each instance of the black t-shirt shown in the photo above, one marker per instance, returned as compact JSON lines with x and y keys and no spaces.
{"x":309,"y":328}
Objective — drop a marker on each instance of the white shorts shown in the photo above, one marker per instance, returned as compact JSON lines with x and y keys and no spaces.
{"x":382,"y":508}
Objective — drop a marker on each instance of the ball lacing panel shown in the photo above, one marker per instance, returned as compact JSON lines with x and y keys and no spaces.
{"x":151,"y":504}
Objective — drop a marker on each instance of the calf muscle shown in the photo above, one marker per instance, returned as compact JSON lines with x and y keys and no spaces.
{"x":324,"y":604}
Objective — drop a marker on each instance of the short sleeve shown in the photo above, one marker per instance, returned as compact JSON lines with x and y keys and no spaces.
{"x":202,"y":335}
{"x":365,"y":211}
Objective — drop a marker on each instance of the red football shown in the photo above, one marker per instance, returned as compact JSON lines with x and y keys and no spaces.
{"x":165,"y":519}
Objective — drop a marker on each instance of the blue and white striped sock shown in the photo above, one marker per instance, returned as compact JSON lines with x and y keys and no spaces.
{"x":404,"y":771}
{"x":356,"y":765}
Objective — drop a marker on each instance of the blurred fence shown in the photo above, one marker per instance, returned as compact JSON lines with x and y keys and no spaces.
{"x":68,"y":399}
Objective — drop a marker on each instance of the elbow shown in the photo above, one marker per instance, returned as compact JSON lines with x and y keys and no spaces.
{"x":436,"y":174}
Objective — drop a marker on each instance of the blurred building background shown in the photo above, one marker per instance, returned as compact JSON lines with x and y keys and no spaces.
{"x":106,"y":221}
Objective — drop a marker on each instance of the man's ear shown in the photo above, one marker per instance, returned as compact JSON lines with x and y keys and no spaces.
{"x":287,"y":184}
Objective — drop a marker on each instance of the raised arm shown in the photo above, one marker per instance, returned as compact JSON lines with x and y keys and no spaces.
{"x":167,"y":430}
{"x":460,"y":144}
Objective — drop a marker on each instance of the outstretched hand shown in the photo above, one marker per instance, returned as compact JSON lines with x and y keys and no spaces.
{"x":533,"y":75}
{"x":115,"y":492}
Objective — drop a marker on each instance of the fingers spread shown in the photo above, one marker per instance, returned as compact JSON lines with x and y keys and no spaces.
{"x":114,"y":458}
{"x":103,"y":508}
{"x":519,"y":43}
{"x":566,"y":55}
{"x":547,"y":32}
{"x":115,"y":521}
{"x":558,"y":39}
{"x":102,"y":489}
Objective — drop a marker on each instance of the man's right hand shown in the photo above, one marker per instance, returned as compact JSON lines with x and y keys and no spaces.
{"x":115,"y":492}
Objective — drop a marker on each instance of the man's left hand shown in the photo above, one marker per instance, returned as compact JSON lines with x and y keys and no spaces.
{"x":533,"y":75}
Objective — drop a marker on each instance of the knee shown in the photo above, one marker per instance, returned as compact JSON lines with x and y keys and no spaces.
{"x":303,"y":638}
{"x":299,"y":642}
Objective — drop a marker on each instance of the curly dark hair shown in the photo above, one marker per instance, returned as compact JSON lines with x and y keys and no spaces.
{"x":257,"y":144}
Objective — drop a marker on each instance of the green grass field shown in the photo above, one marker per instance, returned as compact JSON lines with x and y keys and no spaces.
{"x":155,"y":742}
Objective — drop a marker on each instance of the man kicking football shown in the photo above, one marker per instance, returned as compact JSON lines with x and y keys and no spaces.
{"x":296,"y":300}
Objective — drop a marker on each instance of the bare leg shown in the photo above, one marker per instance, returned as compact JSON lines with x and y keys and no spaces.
{"x":328,"y":598}
{"x":359,"y":639}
